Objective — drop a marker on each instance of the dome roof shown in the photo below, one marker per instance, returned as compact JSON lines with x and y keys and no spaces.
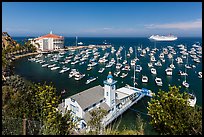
{"x":109,"y":76}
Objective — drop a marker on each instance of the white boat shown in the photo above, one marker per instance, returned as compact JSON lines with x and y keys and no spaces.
{"x":150,"y":64}
{"x":116,"y":73}
{"x":91,"y":79}
{"x":118,"y":65}
{"x":89,"y":68}
{"x":72,"y":73}
{"x":183,"y":73}
{"x":158,"y":63}
{"x":144,"y":79}
{"x":64,"y":70}
{"x":124,"y":75}
{"x":153,"y":71}
{"x":172,"y":64}
{"x":138,"y":68}
{"x":54,"y":68}
{"x":169,"y":71}
{"x":79,"y":76}
{"x":126,"y":67}
{"x":80,"y":43}
{"x":185,"y":84}
{"x":101,"y":70}
{"x":50,"y":66}
{"x":45,"y":65}
{"x":158,"y":81}
{"x":192,"y":99}
{"x":152,"y":58}
{"x":163,"y":38}
{"x":200,"y":74}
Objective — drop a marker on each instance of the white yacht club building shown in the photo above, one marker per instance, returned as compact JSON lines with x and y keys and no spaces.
{"x":49,"y":42}
{"x":114,"y":101}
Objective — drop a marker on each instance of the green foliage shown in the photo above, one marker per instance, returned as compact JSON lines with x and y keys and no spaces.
{"x":96,"y":119}
{"x":171,"y":114}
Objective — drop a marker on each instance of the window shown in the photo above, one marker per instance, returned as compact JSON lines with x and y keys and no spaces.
{"x":101,"y":101}
{"x":113,"y":87}
{"x":106,"y":93}
{"x":72,"y":100}
{"x":116,"y":95}
{"x":94,"y":105}
{"x":113,"y":101}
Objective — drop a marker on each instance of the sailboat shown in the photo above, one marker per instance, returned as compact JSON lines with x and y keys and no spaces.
{"x":184,"y":83}
{"x":172,"y":65}
{"x":125,"y":61}
{"x":134,"y":83}
{"x":187,"y":65}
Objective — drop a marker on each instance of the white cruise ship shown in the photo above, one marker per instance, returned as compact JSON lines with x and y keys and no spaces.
{"x":163,"y":38}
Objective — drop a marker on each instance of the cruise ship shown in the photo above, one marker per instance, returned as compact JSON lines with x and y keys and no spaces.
{"x":163,"y":38}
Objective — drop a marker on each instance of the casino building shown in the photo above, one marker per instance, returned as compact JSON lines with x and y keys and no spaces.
{"x":49,"y":42}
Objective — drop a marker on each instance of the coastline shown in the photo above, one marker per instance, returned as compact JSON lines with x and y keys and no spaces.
{"x":24,"y":55}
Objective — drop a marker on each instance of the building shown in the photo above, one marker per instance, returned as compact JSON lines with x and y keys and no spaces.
{"x":114,"y":101}
{"x":49,"y":42}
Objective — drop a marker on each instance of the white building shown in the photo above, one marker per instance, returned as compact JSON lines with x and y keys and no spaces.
{"x":48,"y":42}
{"x":115,"y":102}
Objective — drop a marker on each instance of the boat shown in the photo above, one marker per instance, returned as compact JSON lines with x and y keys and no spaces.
{"x":50,"y":66}
{"x":138,"y":68}
{"x":118,"y":65}
{"x":163,"y":38}
{"x":45,"y":65}
{"x":153,"y":71}
{"x":126,"y":67}
{"x":72,"y":73}
{"x":89,"y":68}
{"x":79,"y":76}
{"x":80,"y":43}
{"x":152,"y":58}
{"x":91,"y":79}
{"x":124,"y":75}
{"x":158,"y":63}
{"x":116,"y":73}
{"x":182,"y":73}
{"x":172,"y":64}
{"x":169,"y":71}
{"x":64,"y":70}
{"x":64,"y":91}
{"x":150,"y":64}
{"x":184,"y":83}
{"x":101,"y":70}
{"x":158,"y":81}
{"x":192,"y":99}
{"x":200,"y":74}
{"x":54,"y":68}
{"x":144,"y":79}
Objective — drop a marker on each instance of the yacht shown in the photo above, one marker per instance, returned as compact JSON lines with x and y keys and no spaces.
{"x":50,"y":66}
{"x":89,"y":68}
{"x":124,"y":75}
{"x":163,"y":38}
{"x":182,"y":73}
{"x":169,"y":71}
{"x":116,"y":73}
{"x":45,"y":65}
{"x":144,"y":79}
{"x":150,"y":64}
{"x":158,"y":63}
{"x":64,"y":70}
{"x":118,"y":65}
{"x":185,"y":84}
{"x":79,"y":76}
{"x":91,"y":79}
{"x":172,"y":64}
{"x":200,"y":74}
{"x":138,"y":68}
{"x":72,"y":73}
{"x":127,"y":67}
{"x":158,"y":81}
{"x":54,"y":68}
{"x":152,"y":58}
{"x":153,"y":71}
{"x":101,"y":70}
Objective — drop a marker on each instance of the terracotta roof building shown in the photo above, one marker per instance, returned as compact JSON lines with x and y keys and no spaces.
{"x":48,"y":42}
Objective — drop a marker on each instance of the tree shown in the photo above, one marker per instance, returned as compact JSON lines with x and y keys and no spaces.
{"x":171,"y":114}
{"x":96,"y":118}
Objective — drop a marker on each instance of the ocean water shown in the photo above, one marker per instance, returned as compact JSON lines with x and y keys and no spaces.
{"x":34,"y":72}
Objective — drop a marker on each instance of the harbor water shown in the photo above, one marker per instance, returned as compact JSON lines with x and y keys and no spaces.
{"x":34,"y":72}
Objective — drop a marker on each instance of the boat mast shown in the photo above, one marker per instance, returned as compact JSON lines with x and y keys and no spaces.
{"x":134,"y":77}
{"x":76,"y":40}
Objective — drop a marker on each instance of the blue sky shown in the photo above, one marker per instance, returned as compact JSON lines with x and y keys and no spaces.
{"x":102,"y":19}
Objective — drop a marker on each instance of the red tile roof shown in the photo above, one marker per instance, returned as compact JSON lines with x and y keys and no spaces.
{"x":50,"y":36}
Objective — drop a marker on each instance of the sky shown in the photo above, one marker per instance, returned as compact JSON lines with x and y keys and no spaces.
{"x":102,"y":19}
